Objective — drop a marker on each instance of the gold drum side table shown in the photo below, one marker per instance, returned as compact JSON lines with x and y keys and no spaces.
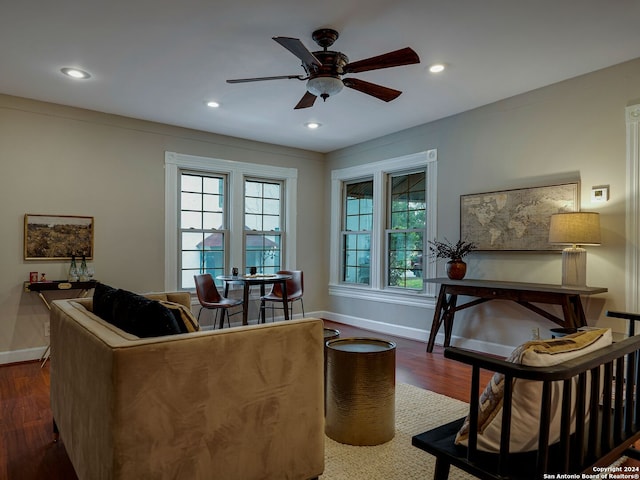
{"x":360,"y":396}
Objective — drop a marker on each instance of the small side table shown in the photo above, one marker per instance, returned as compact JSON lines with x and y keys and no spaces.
{"x":40,"y":287}
{"x":360,"y":396}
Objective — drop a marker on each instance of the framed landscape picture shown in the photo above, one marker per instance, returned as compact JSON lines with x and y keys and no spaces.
{"x":57,"y":237}
{"x":515,"y":220}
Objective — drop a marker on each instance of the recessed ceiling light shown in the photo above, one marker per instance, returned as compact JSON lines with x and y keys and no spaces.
{"x":312,"y":125}
{"x":75,"y":73}
{"x":436,"y":68}
{"x":213,"y":104}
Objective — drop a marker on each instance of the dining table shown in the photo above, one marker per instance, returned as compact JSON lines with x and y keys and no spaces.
{"x":260,"y":279}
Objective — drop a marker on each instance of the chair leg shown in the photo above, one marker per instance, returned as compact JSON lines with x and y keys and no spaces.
{"x":302,"y":306}
{"x":221,"y":326}
{"x":56,"y":432}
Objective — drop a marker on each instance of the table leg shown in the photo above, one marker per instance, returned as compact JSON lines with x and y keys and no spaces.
{"x":44,"y":299}
{"x":437,"y":319}
{"x":445,"y":311}
{"x":245,"y":304}
{"x":263,"y":316}
{"x":45,"y":356}
{"x":574,"y":316}
{"x":285,"y":302}
{"x":447,"y":317}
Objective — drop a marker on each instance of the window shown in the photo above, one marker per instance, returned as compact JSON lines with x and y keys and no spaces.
{"x":356,"y":236}
{"x":405,"y":231}
{"x":262,"y":217}
{"x":202,"y":226}
{"x":388,"y":210}
{"x":221,"y":214}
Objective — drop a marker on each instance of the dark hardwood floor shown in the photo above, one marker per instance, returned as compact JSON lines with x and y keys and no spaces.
{"x":415,"y":366}
{"x":27,"y":451}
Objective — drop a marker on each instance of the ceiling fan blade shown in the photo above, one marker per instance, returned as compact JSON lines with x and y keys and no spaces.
{"x":260,"y":79}
{"x":307,"y":100}
{"x":296,"y":47}
{"x":383,"y":93}
{"x":404,"y":56}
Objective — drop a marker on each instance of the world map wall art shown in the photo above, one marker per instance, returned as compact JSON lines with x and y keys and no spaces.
{"x":515,"y":220}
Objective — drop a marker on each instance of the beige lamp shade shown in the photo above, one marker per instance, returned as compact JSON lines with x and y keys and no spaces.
{"x":575,"y":228}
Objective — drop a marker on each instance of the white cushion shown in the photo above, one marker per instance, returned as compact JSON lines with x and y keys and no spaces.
{"x":527,"y":394}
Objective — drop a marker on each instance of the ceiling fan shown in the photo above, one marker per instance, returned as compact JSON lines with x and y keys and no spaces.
{"x":324,"y":69}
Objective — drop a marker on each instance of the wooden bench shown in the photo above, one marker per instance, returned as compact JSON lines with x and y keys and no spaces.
{"x":613,"y":427}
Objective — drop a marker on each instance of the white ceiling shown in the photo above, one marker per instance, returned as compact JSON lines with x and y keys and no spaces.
{"x":161,"y":60}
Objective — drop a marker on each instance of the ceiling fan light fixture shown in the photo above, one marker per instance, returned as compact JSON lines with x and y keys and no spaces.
{"x":436,"y":68}
{"x":324,"y":87}
{"x":325,"y":68}
{"x":312,"y":125}
{"x":213,"y":104}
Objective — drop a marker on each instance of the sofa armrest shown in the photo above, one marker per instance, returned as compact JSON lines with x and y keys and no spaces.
{"x":183,"y":298}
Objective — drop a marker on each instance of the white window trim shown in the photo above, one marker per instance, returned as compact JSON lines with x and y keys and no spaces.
{"x":236,"y":172}
{"x":379,"y":170}
{"x":343,"y":230}
{"x":632,"y":264}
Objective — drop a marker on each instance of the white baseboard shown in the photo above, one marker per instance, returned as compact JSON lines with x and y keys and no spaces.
{"x":418,"y":334}
{"x":25,"y":355}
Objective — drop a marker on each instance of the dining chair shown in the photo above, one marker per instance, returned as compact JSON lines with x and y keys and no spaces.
{"x":210,"y":299}
{"x":295,"y":291}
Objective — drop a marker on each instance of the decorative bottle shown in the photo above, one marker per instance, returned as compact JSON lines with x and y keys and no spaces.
{"x":73,"y":270}
{"x":83,"y":273}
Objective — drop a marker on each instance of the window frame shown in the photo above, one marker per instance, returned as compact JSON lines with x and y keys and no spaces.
{"x":281,"y":232}
{"x":236,"y":173}
{"x":344,"y":232}
{"x":224,"y":231}
{"x":377,"y":289}
{"x":388,"y":230}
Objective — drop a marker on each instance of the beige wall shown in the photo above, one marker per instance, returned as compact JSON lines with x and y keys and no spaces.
{"x":61,"y":160}
{"x":573,"y":130}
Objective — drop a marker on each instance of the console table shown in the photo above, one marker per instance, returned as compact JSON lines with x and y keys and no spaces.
{"x":40,"y":287}
{"x":51,"y":285}
{"x":525,"y":294}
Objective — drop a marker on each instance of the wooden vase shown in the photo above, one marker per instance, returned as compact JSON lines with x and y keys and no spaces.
{"x":456,"y":269}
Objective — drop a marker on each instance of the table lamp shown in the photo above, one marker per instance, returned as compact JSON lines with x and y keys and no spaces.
{"x":575,"y":228}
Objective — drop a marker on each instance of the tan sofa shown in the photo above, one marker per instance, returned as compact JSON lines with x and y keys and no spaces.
{"x":240,"y":403}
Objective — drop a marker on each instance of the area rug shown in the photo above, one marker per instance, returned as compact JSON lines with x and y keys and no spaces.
{"x":417,"y":410}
